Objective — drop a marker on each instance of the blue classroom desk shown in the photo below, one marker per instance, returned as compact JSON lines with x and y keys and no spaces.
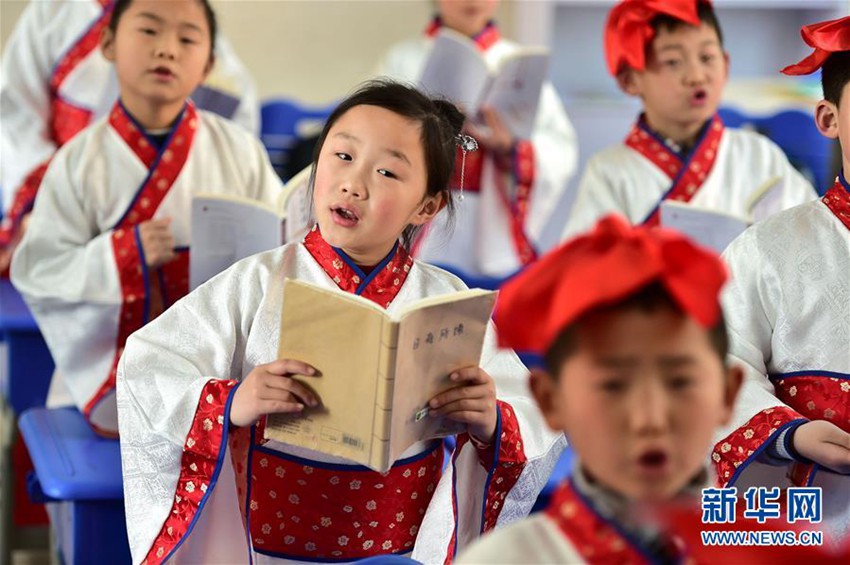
{"x":26,"y":377}
{"x":81,"y":473}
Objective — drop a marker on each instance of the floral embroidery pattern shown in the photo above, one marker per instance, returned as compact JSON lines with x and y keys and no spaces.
{"x":817,"y":397}
{"x":200,"y":455}
{"x":731,"y":452}
{"x":127,"y":251}
{"x":837,"y":199}
{"x":594,"y":539}
{"x":383,"y":287}
{"x":358,"y":512}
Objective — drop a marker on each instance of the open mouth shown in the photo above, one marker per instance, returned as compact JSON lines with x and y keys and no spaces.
{"x":344,"y":216}
{"x":654,"y":460}
{"x":699,"y":97}
{"x":163,"y":72}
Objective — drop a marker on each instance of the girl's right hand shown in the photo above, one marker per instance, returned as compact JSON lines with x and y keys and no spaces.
{"x":824,"y":443}
{"x":157,"y":241}
{"x":269,"y":389}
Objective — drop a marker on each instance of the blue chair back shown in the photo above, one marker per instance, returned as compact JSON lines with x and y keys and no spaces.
{"x":388,"y":559}
{"x":810,"y":152}
{"x":794,"y":131}
{"x":284,"y":123}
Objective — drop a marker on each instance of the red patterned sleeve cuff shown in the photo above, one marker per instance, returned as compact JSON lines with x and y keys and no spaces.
{"x":737,"y":450}
{"x":21,"y":205}
{"x":524,"y":163}
{"x":504,"y":461}
{"x":202,"y":453}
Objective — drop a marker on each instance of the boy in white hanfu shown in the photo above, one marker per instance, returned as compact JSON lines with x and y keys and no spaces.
{"x":669,"y":53}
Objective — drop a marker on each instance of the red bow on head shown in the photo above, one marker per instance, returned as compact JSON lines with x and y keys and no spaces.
{"x":602,"y":268}
{"x":628,"y":29}
{"x":826,"y":38}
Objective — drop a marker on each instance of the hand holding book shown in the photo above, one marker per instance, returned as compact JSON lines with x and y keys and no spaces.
{"x":473,"y":403}
{"x":270,"y":389}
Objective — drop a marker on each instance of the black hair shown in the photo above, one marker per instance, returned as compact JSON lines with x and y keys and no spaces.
{"x":651,"y":298}
{"x":706,"y":15}
{"x":440,"y":122}
{"x":121,"y":6}
{"x":835,"y":73}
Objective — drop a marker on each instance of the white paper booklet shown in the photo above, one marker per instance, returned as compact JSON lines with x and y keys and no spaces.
{"x":716,"y":229}
{"x":456,"y":69}
{"x":226,"y":229}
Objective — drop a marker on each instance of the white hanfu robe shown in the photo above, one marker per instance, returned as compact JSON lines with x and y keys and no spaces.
{"x":501,"y":219}
{"x":723,"y":170}
{"x":54,"y":81}
{"x":81,"y":267}
{"x":192,"y":481}
{"x":788,"y":312}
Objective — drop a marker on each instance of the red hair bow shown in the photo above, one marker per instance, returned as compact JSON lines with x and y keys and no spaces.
{"x":604,"y":267}
{"x":826,"y":38}
{"x":628,"y":29}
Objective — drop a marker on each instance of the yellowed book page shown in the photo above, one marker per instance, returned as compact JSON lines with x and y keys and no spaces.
{"x":437,"y":337}
{"x":317,"y":327}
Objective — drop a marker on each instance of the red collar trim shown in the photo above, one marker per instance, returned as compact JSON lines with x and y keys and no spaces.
{"x":380,"y":286}
{"x":485,"y":39}
{"x":164,"y":165}
{"x":88,"y":42}
{"x":596,"y":540}
{"x":837,"y":199}
{"x":687,"y":173}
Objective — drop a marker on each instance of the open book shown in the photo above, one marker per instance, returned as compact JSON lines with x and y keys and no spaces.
{"x":456,"y":69}
{"x":716,"y":229}
{"x":376,"y":372}
{"x":227,"y":228}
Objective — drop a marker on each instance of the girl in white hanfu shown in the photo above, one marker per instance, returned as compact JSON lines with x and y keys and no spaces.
{"x":512,"y":187}
{"x":194,"y":388}
{"x":54,"y":81}
{"x":107,"y":246}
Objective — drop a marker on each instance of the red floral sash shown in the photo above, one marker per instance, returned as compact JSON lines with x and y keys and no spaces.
{"x":137,"y":282}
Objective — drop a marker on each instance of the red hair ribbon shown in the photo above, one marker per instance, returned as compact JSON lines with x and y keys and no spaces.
{"x":826,"y":38}
{"x":628,"y":29}
{"x":602,"y":268}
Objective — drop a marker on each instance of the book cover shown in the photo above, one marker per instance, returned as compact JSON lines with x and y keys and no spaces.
{"x":376,"y":372}
{"x":457,"y":70}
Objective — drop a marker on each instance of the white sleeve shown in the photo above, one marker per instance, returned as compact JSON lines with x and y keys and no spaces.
{"x":555,"y":159}
{"x":748,"y":304}
{"x":64,"y":258}
{"x":596,"y":197}
{"x":25,"y":140}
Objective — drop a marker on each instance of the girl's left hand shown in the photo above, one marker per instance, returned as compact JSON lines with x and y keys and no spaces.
{"x":472,"y":402}
{"x":498,"y":137}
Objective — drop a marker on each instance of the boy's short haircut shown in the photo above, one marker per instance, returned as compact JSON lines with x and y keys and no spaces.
{"x":706,"y":14}
{"x":835,"y":74}
{"x":651,"y":298}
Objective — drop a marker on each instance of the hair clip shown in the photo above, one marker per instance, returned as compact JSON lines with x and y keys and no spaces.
{"x":467,"y":144}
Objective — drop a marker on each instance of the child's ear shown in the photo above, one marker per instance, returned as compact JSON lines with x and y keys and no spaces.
{"x":107,"y":44}
{"x":429,"y":208}
{"x":734,"y":380}
{"x":826,"y":119}
{"x":210,"y":64}
{"x":543,"y":389}
{"x":627,"y":81}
